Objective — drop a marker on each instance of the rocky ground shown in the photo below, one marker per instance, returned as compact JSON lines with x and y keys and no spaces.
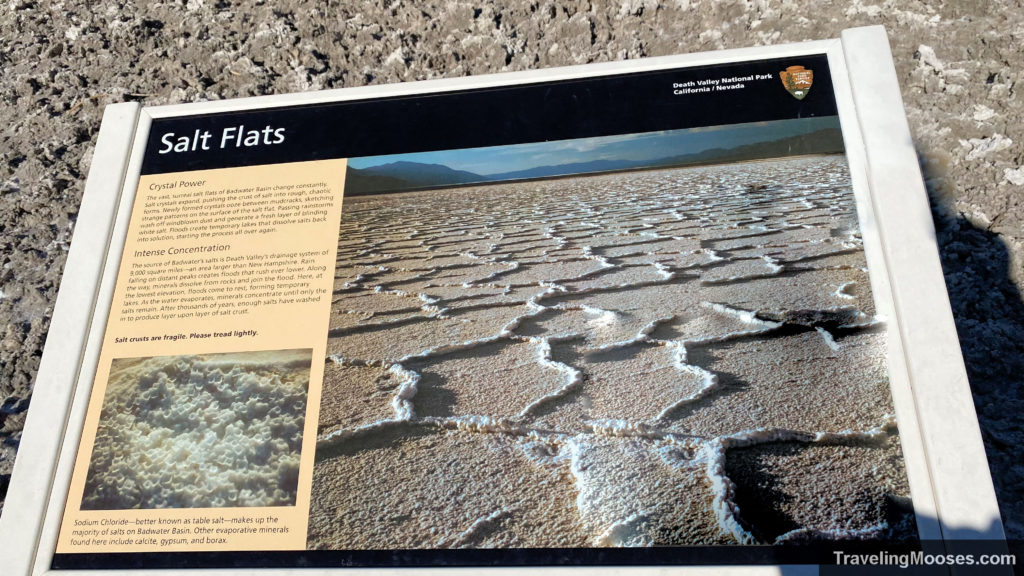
{"x":958,"y":64}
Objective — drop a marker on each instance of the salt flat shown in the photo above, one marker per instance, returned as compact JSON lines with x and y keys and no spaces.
{"x":624,"y":359}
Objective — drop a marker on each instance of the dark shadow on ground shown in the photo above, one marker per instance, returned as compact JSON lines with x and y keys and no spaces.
{"x":989,"y":314}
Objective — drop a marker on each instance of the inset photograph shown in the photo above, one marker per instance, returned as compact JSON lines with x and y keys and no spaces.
{"x":653,"y":339}
{"x":200,"y":431}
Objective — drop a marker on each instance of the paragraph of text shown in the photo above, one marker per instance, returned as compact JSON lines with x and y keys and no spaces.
{"x":221,"y":285}
{"x":228,"y":212}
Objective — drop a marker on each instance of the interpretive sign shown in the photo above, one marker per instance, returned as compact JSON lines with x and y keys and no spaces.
{"x":637,"y":314}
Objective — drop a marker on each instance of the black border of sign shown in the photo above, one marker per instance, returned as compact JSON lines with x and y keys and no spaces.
{"x":555,"y":110}
{"x":819,"y":553}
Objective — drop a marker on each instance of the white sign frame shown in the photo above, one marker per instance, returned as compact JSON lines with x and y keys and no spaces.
{"x":946,"y":464}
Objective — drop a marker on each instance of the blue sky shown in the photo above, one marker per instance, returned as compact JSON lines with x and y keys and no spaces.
{"x":642,"y":146}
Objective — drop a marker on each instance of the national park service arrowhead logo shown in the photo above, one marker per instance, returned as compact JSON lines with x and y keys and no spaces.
{"x":797,"y":81}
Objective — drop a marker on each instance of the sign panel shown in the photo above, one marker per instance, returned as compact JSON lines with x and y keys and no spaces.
{"x":634,"y":318}
{"x":630,"y":312}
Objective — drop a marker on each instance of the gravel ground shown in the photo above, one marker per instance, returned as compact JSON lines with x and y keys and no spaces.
{"x":958,"y":64}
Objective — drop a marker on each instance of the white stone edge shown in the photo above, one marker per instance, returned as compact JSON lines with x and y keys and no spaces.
{"x":27,"y":499}
{"x":962,"y":491}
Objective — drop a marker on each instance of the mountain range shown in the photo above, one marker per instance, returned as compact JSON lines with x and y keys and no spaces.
{"x":405,"y":176}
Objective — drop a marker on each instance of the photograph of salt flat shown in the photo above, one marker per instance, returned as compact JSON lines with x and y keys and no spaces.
{"x":659,"y":339}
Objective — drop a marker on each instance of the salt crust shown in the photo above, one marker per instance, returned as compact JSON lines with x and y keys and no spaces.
{"x":219,"y":430}
{"x":620,"y":285}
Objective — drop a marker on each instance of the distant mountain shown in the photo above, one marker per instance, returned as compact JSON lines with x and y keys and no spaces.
{"x":827,"y":141}
{"x":423,"y":174}
{"x":574,"y":168}
{"x":404,"y":176}
{"x":358,"y":183}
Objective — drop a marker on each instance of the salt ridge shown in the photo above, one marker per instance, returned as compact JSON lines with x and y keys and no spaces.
{"x":709,"y":452}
